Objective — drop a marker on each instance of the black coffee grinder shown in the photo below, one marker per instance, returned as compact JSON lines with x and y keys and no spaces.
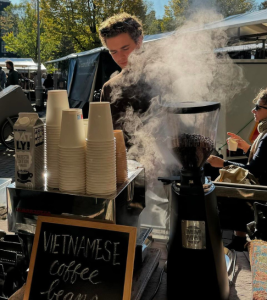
{"x":196,"y":267}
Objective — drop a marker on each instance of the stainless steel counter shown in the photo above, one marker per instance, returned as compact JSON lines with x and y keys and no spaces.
{"x":241,"y":191}
{"x":123,"y":207}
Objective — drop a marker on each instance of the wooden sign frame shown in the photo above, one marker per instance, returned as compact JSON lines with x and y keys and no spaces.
{"x":132,"y":231}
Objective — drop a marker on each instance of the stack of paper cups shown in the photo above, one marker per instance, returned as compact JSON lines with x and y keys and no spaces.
{"x":100,"y":151}
{"x":57,"y":100}
{"x":121,"y":157}
{"x":72,"y":152}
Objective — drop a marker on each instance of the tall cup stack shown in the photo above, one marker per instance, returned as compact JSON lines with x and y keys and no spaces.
{"x":72,"y":152}
{"x":121,"y":157}
{"x":56,"y":102}
{"x":100,"y":151}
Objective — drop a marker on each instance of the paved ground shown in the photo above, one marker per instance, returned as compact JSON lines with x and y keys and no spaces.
{"x":7,"y":163}
{"x":7,"y":170}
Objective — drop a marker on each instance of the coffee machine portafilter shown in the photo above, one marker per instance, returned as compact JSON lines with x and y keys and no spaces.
{"x":196,"y":266}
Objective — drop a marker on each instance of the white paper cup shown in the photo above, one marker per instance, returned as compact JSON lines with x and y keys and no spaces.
{"x":102,"y":185}
{"x":100,"y":143}
{"x":72,"y":154}
{"x":232,"y":144}
{"x":99,"y":178}
{"x":100,"y":147}
{"x":72,"y":131}
{"x":71,"y":186}
{"x":71,"y":150}
{"x":57,"y":100}
{"x":100,"y":127}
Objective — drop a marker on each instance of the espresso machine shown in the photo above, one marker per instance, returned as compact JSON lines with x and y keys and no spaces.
{"x":196,"y":266}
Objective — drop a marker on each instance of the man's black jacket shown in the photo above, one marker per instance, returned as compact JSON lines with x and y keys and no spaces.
{"x":13,"y":78}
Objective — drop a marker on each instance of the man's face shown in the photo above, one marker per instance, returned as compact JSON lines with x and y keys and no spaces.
{"x":8,"y":66}
{"x":120,"y":47}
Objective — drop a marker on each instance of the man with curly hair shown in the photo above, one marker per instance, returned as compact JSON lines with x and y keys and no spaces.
{"x":130,"y":95}
{"x":122,"y":34}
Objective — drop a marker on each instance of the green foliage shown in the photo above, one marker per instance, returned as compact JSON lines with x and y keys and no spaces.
{"x":235,"y":7}
{"x":152,"y":24}
{"x":177,"y":10}
{"x":20,"y":26}
{"x":174,"y":14}
{"x":79,"y":19}
{"x":69,"y":26}
{"x":263,"y":5}
{"x":66,"y":26}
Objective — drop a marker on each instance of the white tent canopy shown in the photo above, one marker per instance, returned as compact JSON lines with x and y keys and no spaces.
{"x":248,"y":24}
{"x":22,"y":64}
{"x":147,"y":38}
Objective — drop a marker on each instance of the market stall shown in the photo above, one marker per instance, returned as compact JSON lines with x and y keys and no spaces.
{"x":22,"y":65}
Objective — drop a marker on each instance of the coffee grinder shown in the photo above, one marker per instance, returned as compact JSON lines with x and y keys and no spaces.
{"x":196,"y":266}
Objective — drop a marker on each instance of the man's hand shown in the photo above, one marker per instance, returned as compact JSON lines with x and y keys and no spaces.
{"x":215,"y":161}
{"x":241,"y":143}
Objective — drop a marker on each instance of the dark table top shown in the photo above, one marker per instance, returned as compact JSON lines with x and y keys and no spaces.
{"x":240,"y":290}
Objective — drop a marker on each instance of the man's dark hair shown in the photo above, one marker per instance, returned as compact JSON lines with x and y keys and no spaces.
{"x":0,"y":68}
{"x":121,"y":23}
{"x":9,"y":62}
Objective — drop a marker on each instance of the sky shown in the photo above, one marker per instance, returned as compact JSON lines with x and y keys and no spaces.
{"x":158,"y":5}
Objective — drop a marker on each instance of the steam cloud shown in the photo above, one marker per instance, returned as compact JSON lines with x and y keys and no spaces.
{"x":181,"y":67}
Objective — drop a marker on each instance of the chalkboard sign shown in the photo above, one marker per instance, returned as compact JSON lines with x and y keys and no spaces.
{"x":80,"y":260}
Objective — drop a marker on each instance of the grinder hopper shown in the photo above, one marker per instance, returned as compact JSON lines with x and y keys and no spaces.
{"x":192,"y":129}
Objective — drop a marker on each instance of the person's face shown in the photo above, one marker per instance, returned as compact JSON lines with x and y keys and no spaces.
{"x":8,"y":66}
{"x":261,"y":113}
{"x":120,"y":47}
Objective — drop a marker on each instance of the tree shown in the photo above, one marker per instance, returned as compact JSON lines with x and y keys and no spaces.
{"x":174,"y":14}
{"x":263,"y":5}
{"x":20,"y":25}
{"x":177,"y":10}
{"x":78,"y":20}
{"x":235,"y":7}
{"x":152,"y":25}
{"x":66,"y":26}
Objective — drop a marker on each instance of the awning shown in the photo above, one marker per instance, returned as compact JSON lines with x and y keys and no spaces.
{"x":21,"y":64}
{"x":154,"y":37}
{"x":248,"y":24}
{"x":79,"y":54}
{"x":147,"y":38}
